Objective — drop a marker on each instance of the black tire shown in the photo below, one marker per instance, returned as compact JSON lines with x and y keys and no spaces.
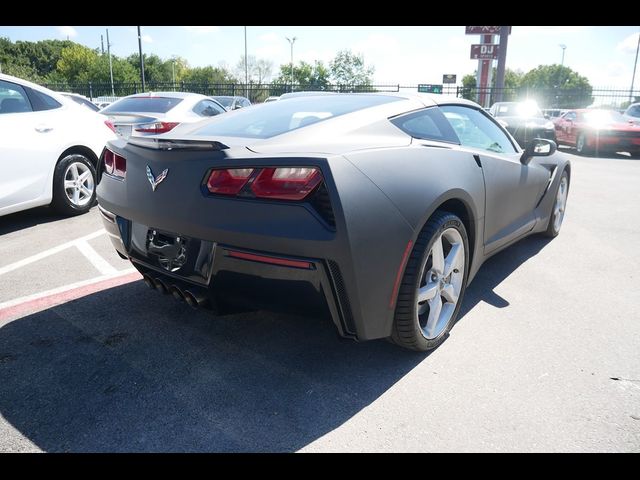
{"x":551,"y":231}
{"x":407,"y":331}
{"x":61,"y":203}
{"x":581,"y":147}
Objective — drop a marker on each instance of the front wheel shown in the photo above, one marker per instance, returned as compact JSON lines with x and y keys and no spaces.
{"x":74,"y":182}
{"x":433,"y":284}
{"x":581,"y":144}
{"x":559,"y":206}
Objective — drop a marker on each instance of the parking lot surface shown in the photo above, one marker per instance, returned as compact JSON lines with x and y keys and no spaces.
{"x":545,"y":356}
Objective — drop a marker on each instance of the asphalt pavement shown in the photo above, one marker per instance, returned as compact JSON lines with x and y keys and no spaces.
{"x":545,"y":357}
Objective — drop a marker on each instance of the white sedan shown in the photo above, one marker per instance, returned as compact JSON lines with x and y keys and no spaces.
{"x":153,"y":113}
{"x":49,"y":149}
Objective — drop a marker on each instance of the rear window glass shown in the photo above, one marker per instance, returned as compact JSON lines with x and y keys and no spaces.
{"x":275,"y":118}
{"x":143,"y":104}
{"x":226,"y":101}
{"x":40,"y":101}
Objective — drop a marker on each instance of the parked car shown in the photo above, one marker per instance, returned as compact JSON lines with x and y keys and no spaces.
{"x":633,"y":112}
{"x":49,"y":150}
{"x":524,"y":120}
{"x":552,"y":113}
{"x":385,"y":227}
{"x":598,"y":131}
{"x":158,"y":112}
{"x":286,"y":96}
{"x":81,"y":100}
{"x":232,"y":103}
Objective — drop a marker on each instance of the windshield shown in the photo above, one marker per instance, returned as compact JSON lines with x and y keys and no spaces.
{"x":521,"y":109}
{"x":602,"y":117}
{"x":225,"y":101}
{"x":142,"y":104}
{"x":275,"y":118}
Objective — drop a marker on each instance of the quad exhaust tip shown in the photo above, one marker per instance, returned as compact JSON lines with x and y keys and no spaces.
{"x":160,"y":285}
{"x":177,"y":293}
{"x":194,"y":300}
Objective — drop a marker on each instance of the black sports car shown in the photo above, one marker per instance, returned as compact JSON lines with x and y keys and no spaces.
{"x":381,"y":207}
{"x":524,"y":120}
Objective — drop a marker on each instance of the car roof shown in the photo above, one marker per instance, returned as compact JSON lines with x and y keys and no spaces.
{"x":167,"y":95}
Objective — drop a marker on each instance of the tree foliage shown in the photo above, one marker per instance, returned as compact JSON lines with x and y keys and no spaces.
{"x":561,"y":85}
{"x":348,"y":68}
{"x":305,"y":76}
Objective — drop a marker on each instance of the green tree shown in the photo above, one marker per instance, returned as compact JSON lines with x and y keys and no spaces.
{"x":558,"y":86}
{"x":208,"y":75}
{"x":305,"y":76}
{"x":77,"y":63}
{"x":512,"y":81}
{"x":258,"y":69}
{"x":349,"y":70}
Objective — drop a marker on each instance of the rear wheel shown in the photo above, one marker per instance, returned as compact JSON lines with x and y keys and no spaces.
{"x":74,"y":183}
{"x":433,"y":284}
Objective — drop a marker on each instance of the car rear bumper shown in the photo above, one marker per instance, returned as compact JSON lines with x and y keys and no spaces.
{"x":220,"y":272}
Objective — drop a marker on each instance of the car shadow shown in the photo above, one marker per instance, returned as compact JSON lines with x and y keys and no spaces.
{"x":495,"y":270}
{"x":128,"y":369}
{"x":28,"y":218}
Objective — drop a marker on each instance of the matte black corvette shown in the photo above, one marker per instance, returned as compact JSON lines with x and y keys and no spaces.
{"x":380,"y":206}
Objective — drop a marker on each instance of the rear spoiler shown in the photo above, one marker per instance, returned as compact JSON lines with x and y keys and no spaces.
{"x":167,"y":144}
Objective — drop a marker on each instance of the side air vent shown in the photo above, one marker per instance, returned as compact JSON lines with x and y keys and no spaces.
{"x":321,"y":202}
{"x":342,"y":297}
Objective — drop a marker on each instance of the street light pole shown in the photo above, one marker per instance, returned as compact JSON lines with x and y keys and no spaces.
{"x":291,"y":42}
{"x":141,"y":58}
{"x":173,"y":74}
{"x":563,"y":47}
{"x":635,"y":64}
{"x":113,"y":93}
{"x":246,"y":66}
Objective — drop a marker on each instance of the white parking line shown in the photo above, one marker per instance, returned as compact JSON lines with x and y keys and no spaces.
{"x":39,"y":256}
{"x":104,"y":267}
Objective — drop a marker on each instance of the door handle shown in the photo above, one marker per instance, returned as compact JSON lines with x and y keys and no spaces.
{"x":43,"y":129}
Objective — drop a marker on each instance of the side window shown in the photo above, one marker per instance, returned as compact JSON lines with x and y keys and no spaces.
{"x":634,"y":111}
{"x":427,"y":124}
{"x":475,"y":129}
{"x":13,"y":98}
{"x":40,"y":101}
{"x":207,"y":108}
{"x":570,"y":116}
{"x":244,"y":102}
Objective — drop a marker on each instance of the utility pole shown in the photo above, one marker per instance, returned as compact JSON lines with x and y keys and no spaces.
{"x":113,"y":93}
{"x":102,"y":44}
{"x":291,"y":42}
{"x":173,"y":74}
{"x":141,"y":59}
{"x":563,"y":47}
{"x":502,"y":60}
{"x":246,"y":65}
{"x":635,"y":64}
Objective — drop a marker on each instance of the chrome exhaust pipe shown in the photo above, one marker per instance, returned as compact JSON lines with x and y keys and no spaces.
{"x":194,"y":300}
{"x":148,"y":281}
{"x":177,"y":293}
{"x":160,"y":285}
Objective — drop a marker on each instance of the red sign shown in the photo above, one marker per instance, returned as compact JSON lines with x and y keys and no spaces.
{"x":486,"y":51}
{"x":483,"y":30}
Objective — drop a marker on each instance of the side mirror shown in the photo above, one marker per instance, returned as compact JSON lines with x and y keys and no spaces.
{"x":237,"y":106}
{"x":538,"y":147}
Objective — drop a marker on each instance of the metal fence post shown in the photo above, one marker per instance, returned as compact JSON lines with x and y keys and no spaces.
{"x":90,"y":91}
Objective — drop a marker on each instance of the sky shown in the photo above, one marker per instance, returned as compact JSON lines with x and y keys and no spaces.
{"x":407,"y":55}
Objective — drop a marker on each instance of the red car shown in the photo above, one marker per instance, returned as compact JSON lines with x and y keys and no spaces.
{"x":597,"y":131}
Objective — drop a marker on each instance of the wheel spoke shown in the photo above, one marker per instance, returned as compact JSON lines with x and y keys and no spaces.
{"x":437,"y":256}
{"x":449,"y":293}
{"x":84,"y":175}
{"x":76,"y":195}
{"x":74,"y":171}
{"x":69,"y":184}
{"x":428,"y":291}
{"x":86,"y":191}
{"x":453,"y":259}
{"x":435,"y":307}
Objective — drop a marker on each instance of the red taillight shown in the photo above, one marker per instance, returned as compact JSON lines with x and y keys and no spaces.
{"x":115,"y":164}
{"x":157,"y":127}
{"x":269,"y":259}
{"x":109,"y":124}
{"x":108,"y":161}
{"x":229,"y":181}
{"x":286,"y":183}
